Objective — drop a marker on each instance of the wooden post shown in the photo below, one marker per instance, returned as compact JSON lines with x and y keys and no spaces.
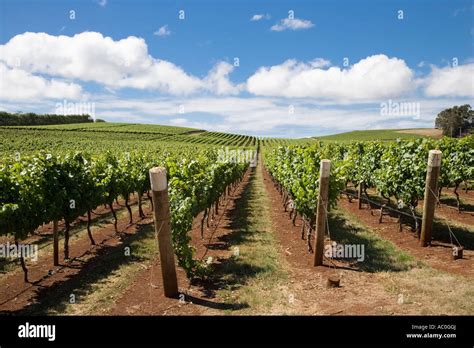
{"x":359,"y":195}
{"x":55,"y":243}
{"x":321,"y":212}
{"x":431,"y":187}
{"x":162,"y":216}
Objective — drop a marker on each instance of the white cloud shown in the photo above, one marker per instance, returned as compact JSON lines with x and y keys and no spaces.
{"x":89,"y":56}
{"x":316,"y":87}
{"x":292,"y":24}
{"x":258,"y":17}
{"x":103,"y":3}
{"x":256,"y":115}
{"x":373,"y":78}
{"x":266,"y":116}
{"x":163,"y":31}
{"x":178,"y":121}
{"x":217,"y":81}
{"x":450,"y":81}
{"x":16,"y":84}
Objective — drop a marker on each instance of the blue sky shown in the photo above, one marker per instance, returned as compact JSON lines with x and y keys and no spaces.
{"x":414,"y":59}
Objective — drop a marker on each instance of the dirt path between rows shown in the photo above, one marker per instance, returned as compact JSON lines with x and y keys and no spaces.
{"x":144,"y":296}
{"x":17,"y":296}
{"x":305,"y":292}
{"x":438,"y":255}
{"x":360,"y":293}
{"x":43,"y":235}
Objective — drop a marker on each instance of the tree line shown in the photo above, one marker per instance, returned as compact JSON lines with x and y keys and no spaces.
{"x":32,"y":119}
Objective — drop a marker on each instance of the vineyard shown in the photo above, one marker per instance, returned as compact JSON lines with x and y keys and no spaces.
{"x":150,"y":132}
{"x":57,"y":181}
{"x":394,"y":170}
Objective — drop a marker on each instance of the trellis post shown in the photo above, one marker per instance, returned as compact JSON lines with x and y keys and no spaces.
{"x":431,"y":187}
{"x":321,"y":212}
{"x":162,"y":217}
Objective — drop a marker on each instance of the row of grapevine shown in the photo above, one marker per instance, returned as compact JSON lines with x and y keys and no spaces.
{"x":395,"y":170}
{"x":295,"y":171}
{"x":28,"y":141}
{"x":116,"y":128}
{"x":398,"y":169}
{"x":119,"y":132}
{"x":40,"y":188}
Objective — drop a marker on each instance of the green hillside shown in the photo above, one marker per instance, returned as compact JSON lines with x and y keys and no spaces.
{"x":382,"y":134}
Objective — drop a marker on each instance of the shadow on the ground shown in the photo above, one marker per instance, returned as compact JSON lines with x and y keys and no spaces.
{"x":441,"y":233}
{"x":379,"y":255}
{"x":46,"y":239}
{"x":440,"y":226}
{"x":216,"y":305}
{"x":106,"y":260}
{"x":452,"y":202}
{"x":227,"y":273}
{"x":233,"y":272}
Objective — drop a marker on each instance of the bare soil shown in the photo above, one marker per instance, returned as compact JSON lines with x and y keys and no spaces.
{"x":361,"y":292}
{"x":44,"y":277}
{"x":45,"y":232}
{"x":438,"y":255}
{"x":145,"y":296}
{"x":429,"y":132}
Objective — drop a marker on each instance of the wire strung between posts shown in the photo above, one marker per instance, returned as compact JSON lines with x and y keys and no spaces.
{"x":451,"y":233}
{"x":385,"y":207}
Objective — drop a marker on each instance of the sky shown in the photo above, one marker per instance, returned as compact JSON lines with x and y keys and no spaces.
{"x":267,"y":68}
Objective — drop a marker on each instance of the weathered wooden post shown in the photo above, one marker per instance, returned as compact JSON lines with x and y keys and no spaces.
{"x":162,"y":216}
{"x":359,"y":194}
{"x":321,"y":212}
{"x":55,"y":243}
{"x":431,"y":187}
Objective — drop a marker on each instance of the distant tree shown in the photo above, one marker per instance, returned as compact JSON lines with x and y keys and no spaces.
{"x":32,"y":119}
{"x":455,"y":120}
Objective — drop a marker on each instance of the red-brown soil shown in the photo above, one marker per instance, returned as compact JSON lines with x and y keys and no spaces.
{"x":145,"y":296}
{"x":359,"y":293}
{"x":44,"y":276}
{"x":438,"y":255}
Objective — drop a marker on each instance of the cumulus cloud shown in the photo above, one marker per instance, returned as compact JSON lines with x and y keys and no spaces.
{"x":264,"y":115}
{"x":35,"y":66}
{"x":163,"y":31}
{"x":257,"y":115}
{"x":89,"y":56}
{"x":217,"y":81}
{"x":292,"y":24}
{"x":372,"y":78}
{"x":16,"y":84}
{"x":450,"y":81}
{"x":258,"y":17}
